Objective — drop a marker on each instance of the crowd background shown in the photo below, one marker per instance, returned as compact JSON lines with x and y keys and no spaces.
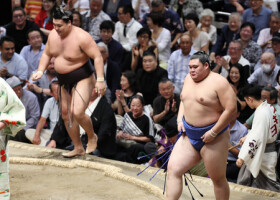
{"x":146,"y":46}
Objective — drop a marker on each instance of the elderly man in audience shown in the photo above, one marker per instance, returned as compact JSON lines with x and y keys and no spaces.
{"x":94,"y":18}
{"x":32,"y":52}
{"x":30,"y":102}
{"x":178,"y":64}
{"x":259,"y":15}
{"x":234,"y":56}
{"x":11,"y":63}
{"x":107,"y":29}
{"x":171,"y":20}
{"x":228,"y":33}
{"x":166,"y":105}
{"x":18,"y":28}
{"x":112,"y":71}
{"x":266,"y":34}
{"x":40,"y":136}
{"x":125,"y":33}
{"x":266,"y":74}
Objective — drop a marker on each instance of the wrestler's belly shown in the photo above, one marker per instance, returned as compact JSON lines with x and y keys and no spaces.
{"x":63,"y":66}
{"x":201,"y":118}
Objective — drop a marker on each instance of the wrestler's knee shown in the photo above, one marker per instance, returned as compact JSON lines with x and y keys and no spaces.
{"x":79,"y":115}
{"x":174,"y":169}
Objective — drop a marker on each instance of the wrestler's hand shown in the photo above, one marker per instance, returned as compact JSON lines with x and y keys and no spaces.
{"x":2,"y":125}
{"x":37,"y":75}
{"x":100,"y":86}
{"x":206,"y":138}
{"x":239,"y":162}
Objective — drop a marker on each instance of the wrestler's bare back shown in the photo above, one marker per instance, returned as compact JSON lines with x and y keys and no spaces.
{"x":200,"y":99}
{"x":69,"y":51}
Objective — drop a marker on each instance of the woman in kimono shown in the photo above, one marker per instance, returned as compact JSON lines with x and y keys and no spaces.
{"x":12,"y":119}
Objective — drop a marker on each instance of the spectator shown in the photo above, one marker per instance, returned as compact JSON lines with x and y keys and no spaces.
{"x":147,"y":79}
{"x":178,"y":64}
{"x":81,"y":6}
{"x":41,"y":87}
{"x":257,"y":160}
{"x":107,"y":29}
{"x":257,"y":14}
{"x":266,"y":75}
{"x":246,"y":32}
{"x":126,"y":93}
{"x":112,"y":72}
{"x":18,"y":28}
{"x":166,"y":105}
{"x":144,"y":36}
{"x":125,"y":33}
{"x":206,"y":19}
{"x":41,"y":136}
{"x":104,"y":124}
{"x":94,"y":18}
{"x":33,"y":52}
{"x":45,"y":19}
{"x":236,"y":77}
{"x":111,"y":7}
{"x":171,"y":21}
{"x":184,"y":7}
{"x":141,"y":7}
{"x":136,"y":130}
{"x":275,"y":47}
{"x":29,"y":101}
{"x":234,"y":56}
{"x":200,"y":39}
{"x":265,"y":36}
{"x":77,"y":19}
{"x":228,"y":33}
{"x":161,"y":37}
{"x":11,"y":63}
{"x":235,"y":6}
{"x":237,"y":131}
{"x":32,"y":8}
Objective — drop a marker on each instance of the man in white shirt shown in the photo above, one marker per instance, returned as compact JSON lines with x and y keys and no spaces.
{"x":125,"y":33}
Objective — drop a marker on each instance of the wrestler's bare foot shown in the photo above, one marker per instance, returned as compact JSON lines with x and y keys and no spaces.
{"x":74,"y":153}
{"x":92,"y":144}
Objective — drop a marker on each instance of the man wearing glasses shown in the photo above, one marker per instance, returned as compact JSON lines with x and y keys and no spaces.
{"x":18,"y":28}
{"x":207,"y":105}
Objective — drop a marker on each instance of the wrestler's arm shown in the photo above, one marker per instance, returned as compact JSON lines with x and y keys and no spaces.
{"x":44,"y":61}
{"x":90,"y":48}
{"x":227,"y":99}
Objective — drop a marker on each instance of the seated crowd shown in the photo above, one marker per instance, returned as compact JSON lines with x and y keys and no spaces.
{"x":146,"y":49}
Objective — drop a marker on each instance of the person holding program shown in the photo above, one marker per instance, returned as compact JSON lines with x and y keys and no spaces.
{"x":72,"y":48}
{"x":204,"y":117}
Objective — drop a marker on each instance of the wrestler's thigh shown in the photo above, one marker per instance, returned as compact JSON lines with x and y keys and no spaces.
{"x":81,"y":95}
{"x":215,"y":154}
{"x":63,"y":98}
{"x":183,"y":156}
